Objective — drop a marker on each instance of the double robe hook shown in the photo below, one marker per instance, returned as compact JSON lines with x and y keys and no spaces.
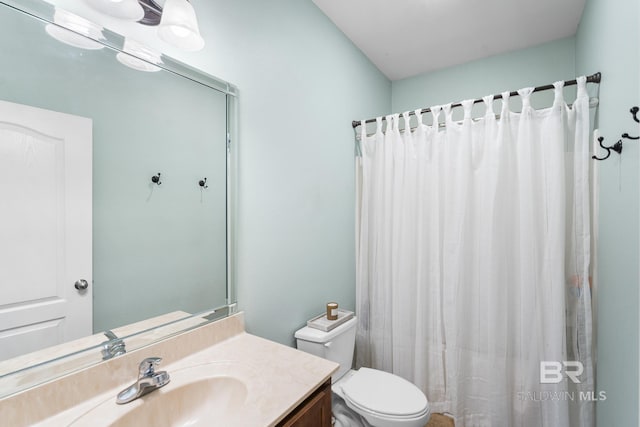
{"x":617,"y":147}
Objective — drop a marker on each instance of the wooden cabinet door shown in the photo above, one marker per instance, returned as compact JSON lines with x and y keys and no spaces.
{"x":313,"y":412}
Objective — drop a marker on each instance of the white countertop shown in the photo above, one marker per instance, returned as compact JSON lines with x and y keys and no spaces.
{"x":277,"y":379}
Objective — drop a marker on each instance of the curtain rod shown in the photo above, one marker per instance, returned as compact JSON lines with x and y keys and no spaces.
{"x":594,"y":78}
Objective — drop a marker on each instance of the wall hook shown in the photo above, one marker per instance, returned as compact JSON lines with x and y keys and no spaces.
{"x":156,"y":179}
{"x":634,"y":113}
{"x":617,"y":147}
{"x":203,"y":183}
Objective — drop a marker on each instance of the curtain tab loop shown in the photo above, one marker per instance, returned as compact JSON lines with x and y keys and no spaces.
{"x":418,"y":114}
{"x":488,"y":105}
{"x":525,"y":95}
{"x":407,"y":121}
{"x":435,"y":112}
{"x":396,"y":122}
{"x":467,"y":105}
{"x":447,"y":112}
{"x":389,"y":120}
{"x":559,"y":96}
{"x":582,"y":87}
{"x":363,"y":129}
{"x":378,"y":124}
{"x":505,"y":104}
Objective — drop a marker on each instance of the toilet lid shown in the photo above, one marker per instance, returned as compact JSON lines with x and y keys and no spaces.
{"x":384,"y":393}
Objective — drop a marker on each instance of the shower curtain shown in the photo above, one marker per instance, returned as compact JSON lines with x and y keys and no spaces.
{"x":473,"y":251}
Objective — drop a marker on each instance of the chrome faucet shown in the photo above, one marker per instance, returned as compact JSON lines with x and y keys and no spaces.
{"x":148,"y":380}
{"x":113,"y":347}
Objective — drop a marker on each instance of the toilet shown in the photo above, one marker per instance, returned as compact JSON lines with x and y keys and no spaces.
{"x":364,"y":397}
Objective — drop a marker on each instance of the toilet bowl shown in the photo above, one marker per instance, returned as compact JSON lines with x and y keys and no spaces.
{"x":382,"y":399}
{"x":364,"y":397}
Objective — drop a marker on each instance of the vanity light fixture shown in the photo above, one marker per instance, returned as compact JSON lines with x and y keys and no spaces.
{"x":176,"y":19}
{"x":130,"y":10}
{"x":138,"y":56}
{"x":75,"y":31}
{"x":179,"y":26}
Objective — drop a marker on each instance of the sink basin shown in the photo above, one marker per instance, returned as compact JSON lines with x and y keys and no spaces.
{"x":197,"y":396}
{"x":194,"y":404}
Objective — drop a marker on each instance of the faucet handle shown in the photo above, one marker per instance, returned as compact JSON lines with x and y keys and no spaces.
{"x":114,"y":346}
{"x":148,"y":366}
{"x":109,"y":334}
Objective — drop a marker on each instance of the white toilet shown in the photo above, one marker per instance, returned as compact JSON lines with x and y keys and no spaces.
{"x":366,"y":397}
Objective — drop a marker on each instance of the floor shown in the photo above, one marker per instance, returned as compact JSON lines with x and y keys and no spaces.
{"x":439,"y":420}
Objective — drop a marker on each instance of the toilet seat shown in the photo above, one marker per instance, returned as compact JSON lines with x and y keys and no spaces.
{"x":385,"y":395}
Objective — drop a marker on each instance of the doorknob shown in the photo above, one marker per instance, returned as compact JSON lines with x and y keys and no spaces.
{"x":81,"y":285}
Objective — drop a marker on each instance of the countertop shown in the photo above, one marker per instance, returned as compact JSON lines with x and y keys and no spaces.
{"x":277,"y":378}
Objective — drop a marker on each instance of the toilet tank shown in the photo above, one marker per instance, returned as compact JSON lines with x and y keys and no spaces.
{"x":336,"y":345}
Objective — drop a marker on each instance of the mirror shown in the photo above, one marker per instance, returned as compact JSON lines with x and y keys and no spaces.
{"x":159,"y":202}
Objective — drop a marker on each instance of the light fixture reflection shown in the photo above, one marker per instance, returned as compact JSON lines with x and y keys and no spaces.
{"x":179,"y":26}
{"x":143,"y":57}
{"x":121,"y":9}
{"x":75,"y":31}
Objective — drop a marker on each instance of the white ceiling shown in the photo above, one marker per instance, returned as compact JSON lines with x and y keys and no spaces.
{"x":408,"y":37}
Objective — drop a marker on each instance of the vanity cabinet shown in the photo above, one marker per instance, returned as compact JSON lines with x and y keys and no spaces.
{"x":315,"y":411}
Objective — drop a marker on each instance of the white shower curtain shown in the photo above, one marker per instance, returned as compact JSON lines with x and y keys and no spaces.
{"x":473,"y":251}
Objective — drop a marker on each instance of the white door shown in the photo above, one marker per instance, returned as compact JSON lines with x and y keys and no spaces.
{"x":45,"y":228}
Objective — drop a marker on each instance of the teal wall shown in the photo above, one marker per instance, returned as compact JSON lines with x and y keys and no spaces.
{"x":607,"y":40}
{"x":534,"y":66}
{"x":301,"y":82}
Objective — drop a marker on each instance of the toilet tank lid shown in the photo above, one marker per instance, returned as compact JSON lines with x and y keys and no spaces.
{"x":316,"y":335}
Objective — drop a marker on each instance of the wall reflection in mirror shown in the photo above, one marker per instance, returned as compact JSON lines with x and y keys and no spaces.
{"x":89,"y":241}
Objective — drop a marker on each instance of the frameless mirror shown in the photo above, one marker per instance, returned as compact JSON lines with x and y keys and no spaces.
{"x":116,"y":183}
